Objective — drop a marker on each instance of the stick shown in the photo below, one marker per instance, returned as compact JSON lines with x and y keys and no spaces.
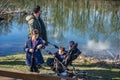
{"x":53,"y":45}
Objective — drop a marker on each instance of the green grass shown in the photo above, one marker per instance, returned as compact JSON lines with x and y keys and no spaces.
{"x":96,"y":71}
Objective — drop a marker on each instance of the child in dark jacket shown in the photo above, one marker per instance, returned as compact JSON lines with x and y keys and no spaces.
{"x":33,"y":48}
{"x":60,"y":54}
{"x":72,"y":54}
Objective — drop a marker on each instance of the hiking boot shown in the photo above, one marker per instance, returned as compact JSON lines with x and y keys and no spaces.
{"x":36,"y":70}
{"x":31,"y":69}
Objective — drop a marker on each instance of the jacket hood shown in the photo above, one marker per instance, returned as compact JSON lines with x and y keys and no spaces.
{"x":29,"y":17}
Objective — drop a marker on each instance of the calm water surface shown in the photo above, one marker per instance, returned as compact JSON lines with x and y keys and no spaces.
{"x":94,"y":25}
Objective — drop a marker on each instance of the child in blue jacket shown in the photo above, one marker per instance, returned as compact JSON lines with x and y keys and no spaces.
{"x":33,"y":48}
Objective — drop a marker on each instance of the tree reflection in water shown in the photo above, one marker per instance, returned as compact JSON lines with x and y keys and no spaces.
{"x":90,"y":23}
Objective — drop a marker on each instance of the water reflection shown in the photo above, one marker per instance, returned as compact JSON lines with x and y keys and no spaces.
{"x":93,"y":24}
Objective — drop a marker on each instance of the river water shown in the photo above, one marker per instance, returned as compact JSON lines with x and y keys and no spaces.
{"x":94,"y":25}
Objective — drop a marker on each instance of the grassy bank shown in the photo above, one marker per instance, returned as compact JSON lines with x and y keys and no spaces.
{"x":96,"y":69}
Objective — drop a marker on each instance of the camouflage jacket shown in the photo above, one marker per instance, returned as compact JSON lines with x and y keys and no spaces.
{"x":34,"y":23}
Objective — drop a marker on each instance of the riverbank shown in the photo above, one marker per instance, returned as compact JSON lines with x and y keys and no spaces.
{"x":96,"y":69}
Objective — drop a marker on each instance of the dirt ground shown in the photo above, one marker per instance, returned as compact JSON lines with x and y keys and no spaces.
{"x":8,"y":78}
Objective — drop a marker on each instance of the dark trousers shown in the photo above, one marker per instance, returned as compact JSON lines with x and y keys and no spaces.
{"x":33,"y":67}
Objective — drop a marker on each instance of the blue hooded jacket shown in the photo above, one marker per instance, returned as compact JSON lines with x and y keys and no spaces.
{"x":38,"y":58}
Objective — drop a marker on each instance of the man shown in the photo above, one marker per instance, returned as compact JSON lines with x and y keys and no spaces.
{"x":35,"y":22}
